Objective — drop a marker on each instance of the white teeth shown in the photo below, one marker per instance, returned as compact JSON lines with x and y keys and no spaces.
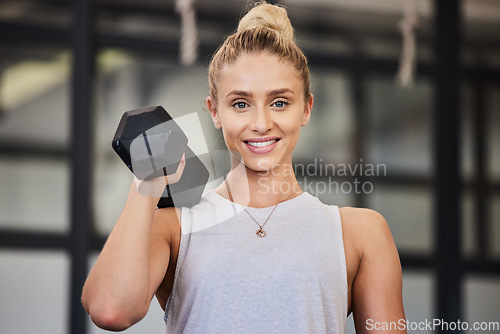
{"x":261,"y":143}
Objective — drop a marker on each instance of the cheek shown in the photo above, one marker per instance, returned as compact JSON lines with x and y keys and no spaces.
{"x":232,"y":123}
{"x":231,"y":128}
{"x":291,"y":124}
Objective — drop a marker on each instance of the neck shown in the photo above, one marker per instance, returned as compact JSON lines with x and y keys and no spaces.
{"x":260,"y":189}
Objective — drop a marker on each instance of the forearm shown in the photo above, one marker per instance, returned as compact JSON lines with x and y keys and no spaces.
{"x":118,"y":285}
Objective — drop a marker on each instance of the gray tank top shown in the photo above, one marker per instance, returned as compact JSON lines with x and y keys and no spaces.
{"x":229,"y":280}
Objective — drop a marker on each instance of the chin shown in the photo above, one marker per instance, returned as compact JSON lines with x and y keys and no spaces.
{"x":261,"y":165}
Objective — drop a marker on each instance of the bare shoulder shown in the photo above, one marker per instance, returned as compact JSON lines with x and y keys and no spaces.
{"x":363,"y":221}
{"x":362,"y":216}
{"x":365,"y":229}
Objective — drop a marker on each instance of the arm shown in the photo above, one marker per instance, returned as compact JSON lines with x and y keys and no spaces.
{"x":132,"y":263}
{"x":377,"y":287}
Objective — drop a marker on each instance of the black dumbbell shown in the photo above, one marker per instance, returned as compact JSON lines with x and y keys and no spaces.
{"x":151,"y":144}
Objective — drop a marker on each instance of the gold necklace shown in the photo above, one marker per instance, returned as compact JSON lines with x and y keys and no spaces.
{"x":260,"y":232}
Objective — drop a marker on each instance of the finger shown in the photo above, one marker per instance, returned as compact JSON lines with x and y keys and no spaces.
{"x":173,"y":178}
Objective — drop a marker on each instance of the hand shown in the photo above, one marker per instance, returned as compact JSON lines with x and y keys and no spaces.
{"x":156,"y":186}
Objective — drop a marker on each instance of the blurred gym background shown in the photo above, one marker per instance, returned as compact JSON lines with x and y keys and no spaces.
{"x":413,"y":85}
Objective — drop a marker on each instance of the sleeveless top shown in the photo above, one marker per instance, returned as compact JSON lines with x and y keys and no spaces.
{"x":229,"y":280}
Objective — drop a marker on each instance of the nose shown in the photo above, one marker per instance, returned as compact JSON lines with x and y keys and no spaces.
{"x":261,"y":120}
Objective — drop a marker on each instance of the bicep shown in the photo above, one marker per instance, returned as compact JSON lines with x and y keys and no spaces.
{"x":159,"y":250}
{"x":377,"y":288}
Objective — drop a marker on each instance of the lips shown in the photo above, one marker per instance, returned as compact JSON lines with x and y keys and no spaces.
{"x":261,"y":145}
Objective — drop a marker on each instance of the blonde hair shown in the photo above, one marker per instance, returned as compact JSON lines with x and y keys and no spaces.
{"x":265,"y":27}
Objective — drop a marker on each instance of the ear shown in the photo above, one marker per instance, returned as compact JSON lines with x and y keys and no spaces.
{"x":213,"y":112}
{"x":307,"y":110}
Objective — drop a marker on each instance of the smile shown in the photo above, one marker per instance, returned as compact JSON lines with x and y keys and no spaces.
{"x":262,"y":145}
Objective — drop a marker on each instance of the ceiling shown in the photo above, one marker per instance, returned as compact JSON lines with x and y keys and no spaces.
{"x":339,"y":17}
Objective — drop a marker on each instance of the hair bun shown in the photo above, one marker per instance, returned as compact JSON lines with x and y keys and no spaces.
{"x":267,"y":15}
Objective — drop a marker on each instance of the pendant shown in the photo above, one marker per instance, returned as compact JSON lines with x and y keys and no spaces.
{"x":261,"y":233}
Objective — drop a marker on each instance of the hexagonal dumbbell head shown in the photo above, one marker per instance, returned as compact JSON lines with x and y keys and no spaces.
{"x":149,"y":142}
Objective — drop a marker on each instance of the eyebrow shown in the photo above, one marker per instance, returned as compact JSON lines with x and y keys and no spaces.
{"x":271,"y":93}
{"x":239,"y":93}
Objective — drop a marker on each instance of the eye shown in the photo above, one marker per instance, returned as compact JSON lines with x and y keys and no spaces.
{"x":240,"y":105}
{"x":280,"y":103}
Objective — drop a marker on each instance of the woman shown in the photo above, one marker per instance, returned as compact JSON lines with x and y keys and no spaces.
{"x":257,"y":254}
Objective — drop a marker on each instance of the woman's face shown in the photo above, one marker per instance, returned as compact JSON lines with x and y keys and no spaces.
{"x":261,"y":108}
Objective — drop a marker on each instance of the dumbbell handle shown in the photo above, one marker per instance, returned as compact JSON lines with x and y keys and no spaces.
{"x":146,"y":141}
